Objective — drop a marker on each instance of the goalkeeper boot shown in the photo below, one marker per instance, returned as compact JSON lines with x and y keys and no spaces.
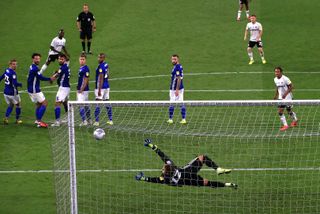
{"x":110,"y":122}
{"x":5,"y":121}
{"x":170,"y":121}
{"x":147,"y":143}
{"x":183,"y":121}
{"x":232,"y":185}
{"x":18,"y":121}
{"x":140,"y":176}
{"x":222,"y":171}
{"x":251,"y":62}
{"x":283,"y":128}
{"x":294,"y":123}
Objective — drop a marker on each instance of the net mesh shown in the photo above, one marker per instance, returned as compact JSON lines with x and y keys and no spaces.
{"x":277,"y":172}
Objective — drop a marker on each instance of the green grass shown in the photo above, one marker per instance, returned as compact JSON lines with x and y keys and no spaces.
{"x":139,"y":38}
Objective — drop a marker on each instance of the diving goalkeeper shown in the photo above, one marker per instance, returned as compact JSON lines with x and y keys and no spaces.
{"x":187,"y":175}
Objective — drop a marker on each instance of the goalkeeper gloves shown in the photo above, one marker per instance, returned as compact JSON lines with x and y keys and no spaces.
{"x":147,"y":143}
{"x":140,"y":177}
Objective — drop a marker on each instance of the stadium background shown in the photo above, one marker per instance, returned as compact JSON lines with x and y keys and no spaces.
{"x":139,"y":38}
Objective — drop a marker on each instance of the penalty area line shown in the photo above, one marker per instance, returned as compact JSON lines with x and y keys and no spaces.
{"x":149,"y":170}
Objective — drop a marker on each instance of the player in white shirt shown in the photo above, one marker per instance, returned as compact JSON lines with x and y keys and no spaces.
{"x":246,"y":4}
{"x":284,"y":92}
{"x":255,"y":29}
{"x":56,"y":47}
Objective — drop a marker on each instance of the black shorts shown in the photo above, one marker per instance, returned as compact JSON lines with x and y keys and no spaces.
{"x":288,"y":107}
{"x":189,"y":173}
{"x":243,"y":2}
{"x":86,"y":34}
{"x":52,"y":58}
{"x":258,"y":44}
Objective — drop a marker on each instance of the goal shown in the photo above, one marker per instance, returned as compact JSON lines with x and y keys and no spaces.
{"x":276,"y":171}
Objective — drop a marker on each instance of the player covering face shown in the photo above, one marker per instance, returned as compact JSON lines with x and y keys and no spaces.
{"x":188,"y":175}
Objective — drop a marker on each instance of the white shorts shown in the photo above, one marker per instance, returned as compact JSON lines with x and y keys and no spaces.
{"x":173,"y":96}
{"x":84,"y":96}
{"x":12,"y":99}
{"x":37,"y":97}
{"x":104,"y":94}
{"x":62,"y":94}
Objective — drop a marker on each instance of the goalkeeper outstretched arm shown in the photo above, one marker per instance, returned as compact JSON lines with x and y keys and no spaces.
{"x":158,"y":180}
{"x":161,"y":154}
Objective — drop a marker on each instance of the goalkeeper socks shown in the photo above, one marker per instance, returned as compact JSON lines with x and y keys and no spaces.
{"x":57,"y":111}
{"x":97,"y":113}
{"x":210,"y":163}
{"x":171,"y":110}
{"x":82,"y":113}
{"x":41,"y":112}
{"x":89,"y":46}
{"x":109,"y":110}
{"x":83,"y":46}
{"x":18,"y":112}
{"x":9,"y":110}
{"x":88,"y":113}
{"x":215,"y":184}
{"x":183,"y":111}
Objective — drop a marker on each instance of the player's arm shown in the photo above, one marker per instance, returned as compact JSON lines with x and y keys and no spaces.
{"x":178,"y":85}
{"x":141,"y":177}
{"x":100,"y":83}
{"x":94,"y":27}
{"x":276,"y":94}
{"x":290,"y":87}
{"x":16,"y":83}
{"x":84,"y":84}
{"x":245,"y":34}
{"x":162,"y":155}
{"x":66,"y":52}
{"x":78,"y":23}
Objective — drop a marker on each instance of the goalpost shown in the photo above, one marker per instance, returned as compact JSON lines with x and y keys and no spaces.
{"x":276,"y":171}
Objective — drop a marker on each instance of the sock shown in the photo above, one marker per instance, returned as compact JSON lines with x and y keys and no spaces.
{"x":228,"y":185}
{"x":83,"y":46}
{"x":89,"y":46}
{"x":97,"y":113}
{"x":57,"y":111}
{"x":171,"y":110}
{"x":283,"y":120}
{"x":82,"y":113}
{"x":293,"y":116}
{"x":247,"y":13}
{"x":43,"y":68}
{"x":239,"y":14}
{"x":250,"y":55}
{"x":109,"y":110}
{"x":210,"y":163}
{"x":262,"y":55}
{"x":41,"y":112}
{"x":215,"y":184}
{"x":9,"y":110}
{"x":88,"y":113}
{"x":65,"y":105}
{"x":18,"y":112}
{"x":183,"y":112}
{"x":37,"y":113}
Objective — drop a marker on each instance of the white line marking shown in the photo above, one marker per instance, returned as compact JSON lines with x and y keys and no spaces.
{"x":152,"y":170}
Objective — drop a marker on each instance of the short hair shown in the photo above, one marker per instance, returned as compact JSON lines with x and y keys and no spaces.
{"x":85,"y":4}
{"x":63,"y":56}
{"x":83,"y":55}
{"x":254,"y":15}
{"x":175,"y":55}
{"x":35,"y":54}
{"x":12,"y":61}
{"x":102,"y":55}
{"x":61,"y":30}
{"x":278,"y":68}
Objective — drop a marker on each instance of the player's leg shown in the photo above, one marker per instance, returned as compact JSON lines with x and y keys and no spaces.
{"x":106,"y":97}
{"x":210,"y":163}
{"x":83,"y":41}
{"x":293,"y":116}
{"x":80,"y":97}
{"x":97,"y":110}
{"x":247,"y":9}
{"x":57,"y":112}
{"x":51,"y":58}
{"x":260,"y":49}
{"x":282,"y":118}
{"x":10,"y":103}
{"x":171,"y":107}
{"x":240,"y":10}
{"x":250,"y":53}
{"x":18,"y":109}
{"x":217,"y":184}
{"x":89,"y":37}
{"x":182,"y":107}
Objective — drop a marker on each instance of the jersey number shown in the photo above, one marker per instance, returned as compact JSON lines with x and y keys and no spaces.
{"x":6,"y":80}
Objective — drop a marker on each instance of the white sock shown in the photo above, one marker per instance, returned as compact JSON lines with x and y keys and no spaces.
{"x":239,"y":14}
{"x":43,"y":68}
{"x":262,"y":55}
{"x":283,"y":120}
{"x":247,"y":13}
{"x":294,"y":116}
{"x":227,"y":185}
{"x":250,"y":54}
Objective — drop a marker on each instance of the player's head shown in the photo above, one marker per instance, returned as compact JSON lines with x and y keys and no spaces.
{"x":61,"y":33}
{"x":278,"y":72}
{"x":13,"y":64}
{"x":253,"y":18}
{"x":36,"y":57}
{"x":101,"y":57}
{"x":85,"y":8}
{"x":175,"y":59}
{"x":62,"y":59}
{"x":82,"y":59}
{"x":167,"y":169}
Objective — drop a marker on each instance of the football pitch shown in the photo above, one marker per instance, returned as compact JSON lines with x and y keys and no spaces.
{"x":139,"y":37}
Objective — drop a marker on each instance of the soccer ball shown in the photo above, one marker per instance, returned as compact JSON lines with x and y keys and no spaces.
{"x":99,"y":134}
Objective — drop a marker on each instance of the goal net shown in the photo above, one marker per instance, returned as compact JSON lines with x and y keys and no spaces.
{"x":276,"y":171}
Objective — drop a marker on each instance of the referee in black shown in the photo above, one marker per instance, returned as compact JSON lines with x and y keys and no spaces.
{"x":86,"y":25}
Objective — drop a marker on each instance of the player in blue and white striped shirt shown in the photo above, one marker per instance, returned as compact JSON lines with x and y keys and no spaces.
{"x":176,"y":88}
{"x":11,"y":94}
{"x":34,"y":90}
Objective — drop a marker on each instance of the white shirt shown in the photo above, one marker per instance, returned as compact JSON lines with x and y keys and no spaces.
{"x":282,"y":85}
{"x":58,"y":44}
{"x":254,"y":30}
